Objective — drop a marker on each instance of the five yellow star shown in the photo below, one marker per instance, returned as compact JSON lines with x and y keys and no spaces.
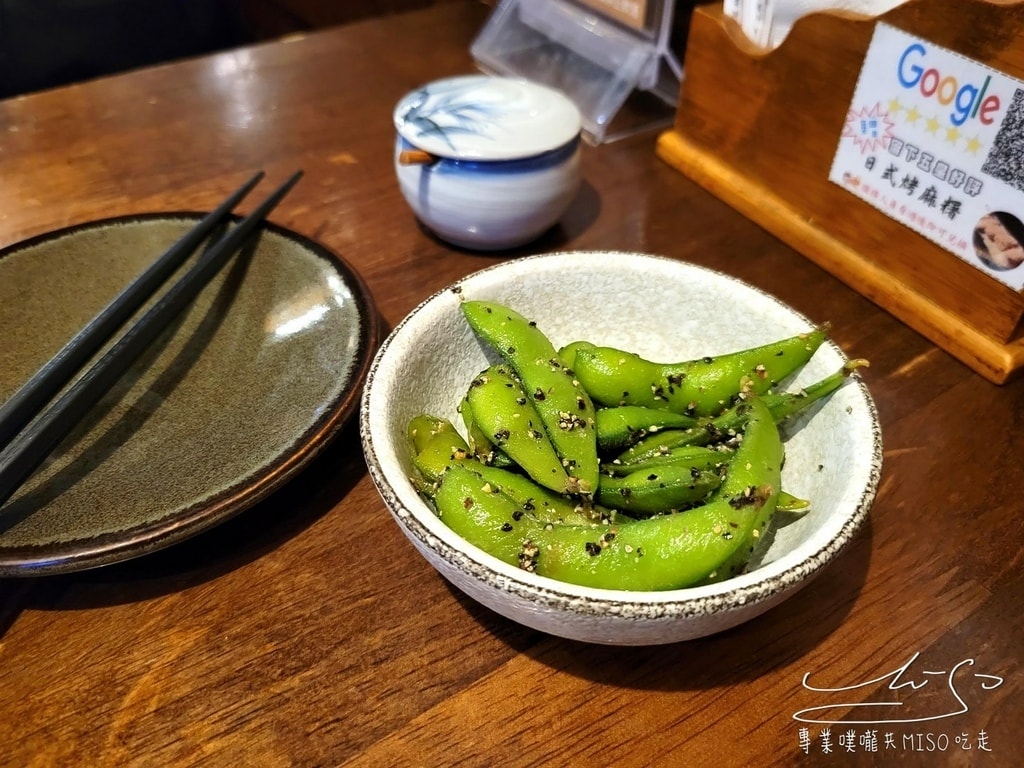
{"x":933,"y":125}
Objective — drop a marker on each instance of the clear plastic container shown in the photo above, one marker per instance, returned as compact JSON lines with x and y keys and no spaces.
{"x":596,"y":61}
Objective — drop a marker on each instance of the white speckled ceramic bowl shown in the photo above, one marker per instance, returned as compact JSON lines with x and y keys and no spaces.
{"x":664,"y":310}
{"x":498,"y":159}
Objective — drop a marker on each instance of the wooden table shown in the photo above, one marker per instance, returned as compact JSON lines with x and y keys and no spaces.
{"x":265,"y":642}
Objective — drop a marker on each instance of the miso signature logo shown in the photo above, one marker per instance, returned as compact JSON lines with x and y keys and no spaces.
{"x":944,"y":699}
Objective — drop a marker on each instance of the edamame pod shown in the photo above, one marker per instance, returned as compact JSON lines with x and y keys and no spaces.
{"x":508,"y":418}
{"x":424,"y":428}
{"x":436,"y":446}
{"x":783,"y":405}
{"x":545,"y":505}
{"x":620,"y":426}
{"x":786,"y":405}
{"x":737,"y":562}
{"x":677,"y":550}
{"x":478,"y":512}
{"x":790,"y":503}
{"x":659,"y":490}
{"x":480,"y":446}
{"x":565,"y":408}
{"x":660,"y":444}
{"x":441,"y":447}
{"x":702,"y":387}
{"x":722,"y":428}
{"x":567,"y":354}
{"x":693,"y":457}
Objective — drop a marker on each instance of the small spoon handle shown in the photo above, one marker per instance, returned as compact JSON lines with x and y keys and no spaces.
{"x":415,"y":157}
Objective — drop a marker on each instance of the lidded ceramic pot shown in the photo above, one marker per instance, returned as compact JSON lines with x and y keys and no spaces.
{"x":487,"y":162}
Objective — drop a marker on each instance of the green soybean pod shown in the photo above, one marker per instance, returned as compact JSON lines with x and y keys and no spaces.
{"x":442,"y":446}
{"x":543,"y":504}
{"x":750,"y":538}
{"x":566,"y":411}
{"x":692,"y":457}
{"x":660,"y":444}
{"x":567,"y":354}
{"x":509,"y":419}
{"x":783,"y":405}
{"x":478,"y":512}
{"x":676,"y":550}
{"x":480,"y":445}
{"x":700,"y":387}
{"x":786,"y":405}
{"x":722,"y":428}
{"x":790,"y":503}
{"x":436,"y":446}
{"x":424,"y":428}
{"x":620,"y":426}
{"x":658,"y":490}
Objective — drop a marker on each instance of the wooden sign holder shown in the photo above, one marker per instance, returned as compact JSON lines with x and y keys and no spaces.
{"x":760,"y":131}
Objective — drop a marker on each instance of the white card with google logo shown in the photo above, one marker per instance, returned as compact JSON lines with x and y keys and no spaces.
{"x":936,"y":141}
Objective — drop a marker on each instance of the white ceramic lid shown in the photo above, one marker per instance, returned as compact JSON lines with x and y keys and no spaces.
{"x":483,"y":117}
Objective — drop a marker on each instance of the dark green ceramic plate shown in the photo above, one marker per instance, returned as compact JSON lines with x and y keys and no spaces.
{"x":256,"y":376}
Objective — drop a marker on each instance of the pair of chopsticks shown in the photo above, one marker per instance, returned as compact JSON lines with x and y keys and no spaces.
{"x":23,"y":450}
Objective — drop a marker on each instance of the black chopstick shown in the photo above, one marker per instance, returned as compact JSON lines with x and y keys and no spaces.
{"x":30,"y":448}
{"x":22,"y":407}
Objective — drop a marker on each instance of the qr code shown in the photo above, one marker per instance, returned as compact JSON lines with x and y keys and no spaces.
{"x":1005,"y":160}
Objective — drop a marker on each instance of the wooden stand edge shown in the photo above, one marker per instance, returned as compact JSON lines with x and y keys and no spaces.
{"x":996,"y":361}
{"x":717,"y":157}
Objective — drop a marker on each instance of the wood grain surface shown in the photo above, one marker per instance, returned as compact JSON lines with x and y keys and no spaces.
{"x":271,"y":641}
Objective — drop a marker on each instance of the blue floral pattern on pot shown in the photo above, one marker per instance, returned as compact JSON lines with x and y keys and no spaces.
{"x":446,"y":109}
{"x":486,"y":118}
